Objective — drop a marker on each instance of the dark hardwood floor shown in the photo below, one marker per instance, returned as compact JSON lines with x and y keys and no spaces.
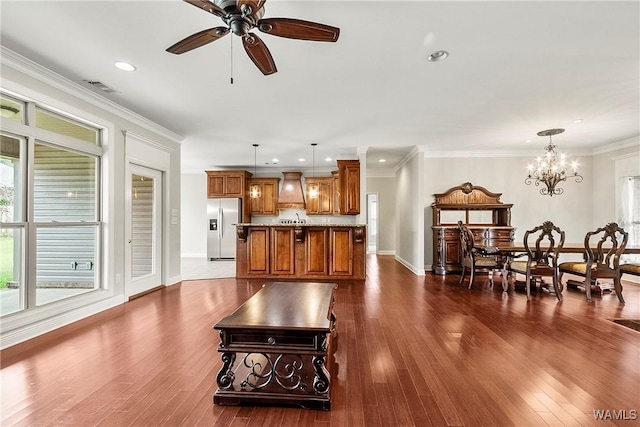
{"x":410,"y":351}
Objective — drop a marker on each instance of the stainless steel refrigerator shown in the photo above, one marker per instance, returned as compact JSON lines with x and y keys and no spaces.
{"x":223,"y":214}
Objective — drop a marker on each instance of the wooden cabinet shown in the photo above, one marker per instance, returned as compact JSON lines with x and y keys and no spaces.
{"x":335,"y":176}
{"x":349,"y":185}
{"x":323,"y":204}
{"x":267,"y":201}
{"x":257,"y":251}
{"x":227,"y":183}
{"x":283,"y":255}
{"x":310,"y":252}
{"x":316,"y":251}
{"x":341,"y":252}
{"x":481,"y":210}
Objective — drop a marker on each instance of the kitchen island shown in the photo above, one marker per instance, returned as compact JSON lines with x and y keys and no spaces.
{"x":301,"y":251}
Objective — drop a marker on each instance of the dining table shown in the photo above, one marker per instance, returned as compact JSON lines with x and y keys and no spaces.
{"x":510,"y":250}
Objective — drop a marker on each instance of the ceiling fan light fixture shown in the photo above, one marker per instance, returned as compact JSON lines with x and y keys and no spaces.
{"x":438,"y":55}
{"x":240,"y":17}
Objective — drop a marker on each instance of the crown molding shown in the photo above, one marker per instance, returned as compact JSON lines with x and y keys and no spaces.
{"x":36,"y":71}
{"x":625,"y":143}
{"x":414,"y":150}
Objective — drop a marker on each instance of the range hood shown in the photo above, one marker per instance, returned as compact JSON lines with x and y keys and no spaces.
{"x":291,"y":195}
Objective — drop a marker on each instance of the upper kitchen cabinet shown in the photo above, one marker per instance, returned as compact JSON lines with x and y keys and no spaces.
{"x":231,"y":183}
{"x":349,"y":187}
{"x":323,"y":203}
{"x":263,"y":196}
{"x":336,"y":192}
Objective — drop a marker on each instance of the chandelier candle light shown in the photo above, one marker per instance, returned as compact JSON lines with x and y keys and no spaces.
{"x":552,"y":168}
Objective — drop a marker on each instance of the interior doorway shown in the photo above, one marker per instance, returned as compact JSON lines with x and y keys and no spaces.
{"x":372,"y":223}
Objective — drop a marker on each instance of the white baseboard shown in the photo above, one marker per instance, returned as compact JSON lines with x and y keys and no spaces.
{"x":33,"y":330}
{"x":415,"y":270}
{"x":386,"y":252}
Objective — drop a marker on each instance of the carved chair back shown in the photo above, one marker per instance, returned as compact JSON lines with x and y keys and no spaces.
{"x":466,"y":241}
{"x":543,"y":244}
{"x":604,"y":246}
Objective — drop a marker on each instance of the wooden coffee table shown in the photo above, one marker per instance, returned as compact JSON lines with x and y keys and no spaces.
{"x":274,"y":347}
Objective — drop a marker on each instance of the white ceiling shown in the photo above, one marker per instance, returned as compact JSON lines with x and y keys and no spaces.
{"x":515,"y":68}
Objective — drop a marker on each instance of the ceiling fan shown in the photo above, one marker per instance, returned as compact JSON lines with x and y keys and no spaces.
{"x":241,"y":17}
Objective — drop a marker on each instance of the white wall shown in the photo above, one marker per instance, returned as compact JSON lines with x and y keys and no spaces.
{"x":409,"y":212}
{"x":194,"y":215}
{"x":27,"y":79}
{"x":386,"y":190}
{"x":583,"y":206}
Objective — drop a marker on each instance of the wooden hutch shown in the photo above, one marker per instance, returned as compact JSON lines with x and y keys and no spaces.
{"x":481,"y":210}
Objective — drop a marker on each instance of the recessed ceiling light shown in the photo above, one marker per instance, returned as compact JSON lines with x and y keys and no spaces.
{"x":438,"y":55}
{"x":275,"y":160}
{"x":125,"y":66}
{"x":382,"y":160}
{"x":301,"y":159}
{"x":577,"y":121}
{"x":527,"y":141}
{"x":328,"y":159}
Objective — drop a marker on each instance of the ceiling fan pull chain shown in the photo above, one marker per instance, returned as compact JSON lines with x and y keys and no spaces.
{"x":231,"y":38}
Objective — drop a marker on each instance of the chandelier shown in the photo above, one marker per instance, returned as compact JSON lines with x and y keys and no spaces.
{"x":552,"y":168}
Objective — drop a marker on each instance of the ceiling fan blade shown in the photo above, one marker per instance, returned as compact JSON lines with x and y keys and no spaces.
{"x":259,"y":54}
{"x":198,"y":39}
{"x":207,"y":6}
{"x":298,"y":29}
{"x":254,"y":5}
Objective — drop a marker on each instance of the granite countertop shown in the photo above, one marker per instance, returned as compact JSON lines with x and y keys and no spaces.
{"x":297,"y":224}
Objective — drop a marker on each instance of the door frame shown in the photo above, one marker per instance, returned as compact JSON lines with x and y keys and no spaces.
{"x":377,"y":227}
{"x":141,"y":151}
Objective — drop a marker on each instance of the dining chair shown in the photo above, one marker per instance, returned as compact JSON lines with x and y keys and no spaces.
{"x":602,"y":248}
{"x":542,"y":246}
{"x":472,"y":258}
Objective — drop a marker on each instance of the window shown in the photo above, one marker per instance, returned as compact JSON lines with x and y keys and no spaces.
{"x":630,"y":213}
{"x":52,"y":224}
{"x":11,"y":108}
{"x":12,"y":225}
{"x":65,"y":126}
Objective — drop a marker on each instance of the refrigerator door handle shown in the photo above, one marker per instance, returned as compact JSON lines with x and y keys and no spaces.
{"x":221,"y":225}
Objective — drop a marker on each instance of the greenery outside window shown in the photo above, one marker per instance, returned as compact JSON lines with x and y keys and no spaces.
{"x":50,"y":229}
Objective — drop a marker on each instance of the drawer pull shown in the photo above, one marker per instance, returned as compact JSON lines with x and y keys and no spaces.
{"x":271,"y":341}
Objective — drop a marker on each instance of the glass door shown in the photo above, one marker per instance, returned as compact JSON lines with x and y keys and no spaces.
{"x":144,"y":272}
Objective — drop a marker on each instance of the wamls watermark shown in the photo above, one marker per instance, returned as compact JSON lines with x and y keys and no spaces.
{"x":614,"y":414}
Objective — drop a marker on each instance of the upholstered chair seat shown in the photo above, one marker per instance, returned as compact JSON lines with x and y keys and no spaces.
{"x":575,"y":267}
{"x":542,"y":245}
{"x":472,"y":258}
{"x":602,"y":248}
{"x":633,"y":269}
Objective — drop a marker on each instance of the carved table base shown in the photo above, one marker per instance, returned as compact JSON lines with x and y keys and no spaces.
{"x":274,"y":347}
{"x":293,"y":379}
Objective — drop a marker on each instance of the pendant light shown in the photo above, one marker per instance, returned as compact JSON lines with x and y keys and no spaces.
{"x":313,"y":186}
{"x":254,"y":191}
